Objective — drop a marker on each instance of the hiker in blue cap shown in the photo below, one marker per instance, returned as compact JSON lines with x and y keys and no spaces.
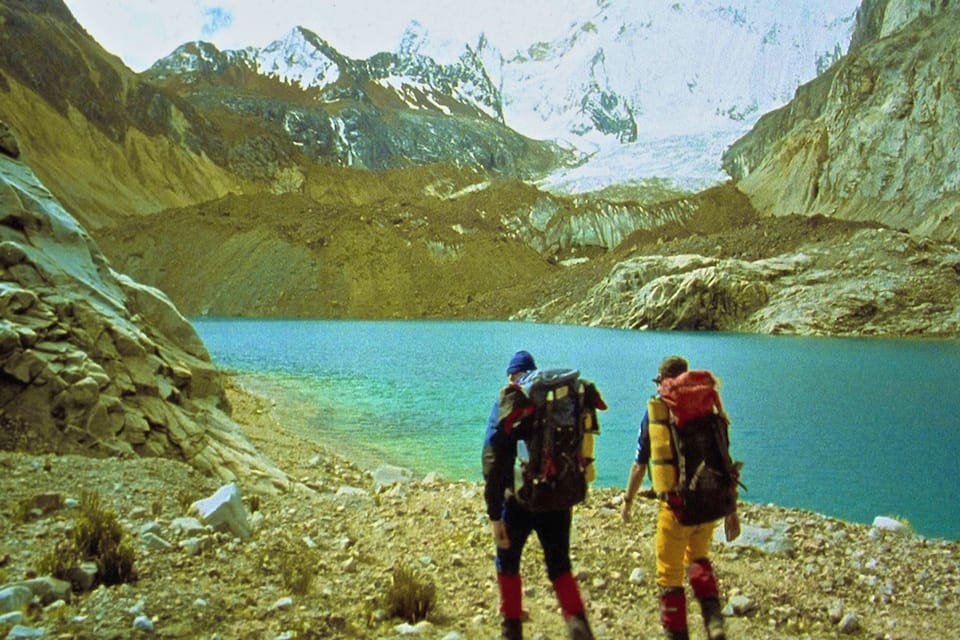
{"x":511,"y":523}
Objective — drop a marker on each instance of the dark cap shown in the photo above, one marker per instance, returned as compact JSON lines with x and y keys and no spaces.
{"x":671,"y":367}
{"x":521,"y":361}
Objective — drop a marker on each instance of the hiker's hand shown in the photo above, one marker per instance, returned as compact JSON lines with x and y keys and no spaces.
{"x":626,"y":509}
{"x":731,"y":526}
{"x":500,"y":536}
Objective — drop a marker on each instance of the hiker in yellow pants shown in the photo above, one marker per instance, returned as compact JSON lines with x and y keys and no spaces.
{"x":681,"y":550}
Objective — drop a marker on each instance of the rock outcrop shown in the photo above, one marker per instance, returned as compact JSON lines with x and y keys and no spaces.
{"x":93,"y":362}
{"x":873,"y":138}
{"x":875,"y":282}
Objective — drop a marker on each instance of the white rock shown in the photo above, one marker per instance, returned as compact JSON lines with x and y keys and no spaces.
{"x":224,"y":511}
{"x":885,"y":523}
{"x":407,"y":629}
{"x":387,"y":475}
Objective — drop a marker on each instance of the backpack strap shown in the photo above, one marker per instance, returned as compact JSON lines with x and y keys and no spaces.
{"x":549,"y":464}
{"x":514,"y":407}
{"x":679,"y":460}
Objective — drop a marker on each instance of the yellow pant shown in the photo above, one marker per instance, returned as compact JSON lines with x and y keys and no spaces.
{"x":678,"y":546}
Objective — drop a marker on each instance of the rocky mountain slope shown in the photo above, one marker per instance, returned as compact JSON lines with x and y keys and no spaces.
{"x":93,"y":362}
{"x":105,"y":143}
{"x":873,"y":137}
{"x":783,"y":275}
{"x":110,"y":144}
{"x":390,"y":111}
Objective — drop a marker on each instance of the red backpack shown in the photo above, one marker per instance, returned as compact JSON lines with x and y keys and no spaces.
{"x":707,"y":478}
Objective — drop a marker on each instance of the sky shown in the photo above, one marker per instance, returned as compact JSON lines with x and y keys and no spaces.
{"x":141,"y":32}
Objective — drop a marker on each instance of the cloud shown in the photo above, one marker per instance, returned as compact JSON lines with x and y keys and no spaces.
{"x":215,"y":19}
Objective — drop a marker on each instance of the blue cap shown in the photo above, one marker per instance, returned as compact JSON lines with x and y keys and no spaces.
{"x":521,"y":361}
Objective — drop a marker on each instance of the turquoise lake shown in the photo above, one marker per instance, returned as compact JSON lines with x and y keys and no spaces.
{"x":850,"y":428}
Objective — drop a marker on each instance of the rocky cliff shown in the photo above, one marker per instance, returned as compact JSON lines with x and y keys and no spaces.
{"x":93,"y":362}
{"x":816,"y":277}
{"x":873,"y":138}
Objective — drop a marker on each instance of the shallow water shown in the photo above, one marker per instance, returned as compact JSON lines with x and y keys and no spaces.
{"x":851,"y":428}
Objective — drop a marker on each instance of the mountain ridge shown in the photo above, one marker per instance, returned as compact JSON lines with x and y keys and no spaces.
{"x":446,"y":205}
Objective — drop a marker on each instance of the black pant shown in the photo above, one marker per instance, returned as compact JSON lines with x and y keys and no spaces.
{"x":553,"y":530}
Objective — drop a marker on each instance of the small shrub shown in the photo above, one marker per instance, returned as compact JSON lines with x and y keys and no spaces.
{"x":296,"y":563}
{"x":17,"y":435}
{"x":58,"y":561}
{"x":409,"y":597}
{"x":22,"y":510}
{"x":96,"y":528}
{"x":98,"y":536}
{"x":115,"y":564}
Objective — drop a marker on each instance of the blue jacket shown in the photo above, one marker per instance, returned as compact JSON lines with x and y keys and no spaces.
{"x":643,"y":440}
{"x":504,"y":430}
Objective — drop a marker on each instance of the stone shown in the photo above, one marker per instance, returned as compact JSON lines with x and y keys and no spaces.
{"x":155,"y":542}
{"x":21,"y":632}
{"x":885,"y":523}
{"x":46,"y":589}
{"x":850,"y":624}
{"x":224,"y":511}
{"x":772,"y":540}
{"x":15,"y":598}
{"x":143,"y":623}
{"x":387,"y":475}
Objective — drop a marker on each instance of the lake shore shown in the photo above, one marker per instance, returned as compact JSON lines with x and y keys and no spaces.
{"x":832,"y":578}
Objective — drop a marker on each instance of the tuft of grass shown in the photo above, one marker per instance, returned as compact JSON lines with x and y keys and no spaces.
{"x":97,"y":537}
{"x":16,"y":435}
{"x":295,"y":562}
{"x":60,"y":561}
{"x":409,"y":597}
{"x":184,"y":500}
{"x":22,"y":511}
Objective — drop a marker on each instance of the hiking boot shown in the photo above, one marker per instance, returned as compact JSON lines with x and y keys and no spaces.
{"x":579,"y":628}
{"x":712,"y":618}
{"x":511,"y":629}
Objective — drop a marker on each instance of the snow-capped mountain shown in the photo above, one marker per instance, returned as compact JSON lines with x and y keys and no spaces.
{"x":640,"y":90}
{"x":676,"y":83}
